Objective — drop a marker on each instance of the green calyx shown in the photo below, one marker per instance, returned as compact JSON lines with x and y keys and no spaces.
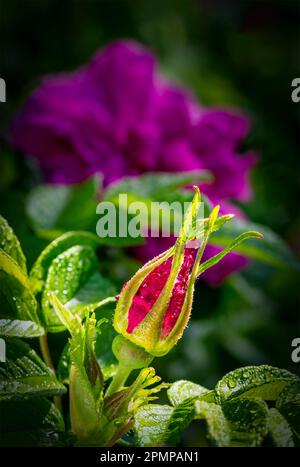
{"x":130,"y":355}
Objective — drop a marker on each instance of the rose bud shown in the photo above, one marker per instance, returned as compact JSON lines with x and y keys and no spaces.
{"x":154,"y":306}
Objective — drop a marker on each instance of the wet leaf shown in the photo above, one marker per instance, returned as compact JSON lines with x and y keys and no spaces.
{"x":24,"y":374}
{"x":11,"y":245}
{"x":18,"y":328}
{"x":263,"y":381}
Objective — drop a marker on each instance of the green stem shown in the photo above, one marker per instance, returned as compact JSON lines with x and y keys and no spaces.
{"x":118,"y":380}
{"x":49,"y":362}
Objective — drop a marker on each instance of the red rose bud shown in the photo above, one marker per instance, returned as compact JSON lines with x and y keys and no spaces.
{"x":155,"y":305}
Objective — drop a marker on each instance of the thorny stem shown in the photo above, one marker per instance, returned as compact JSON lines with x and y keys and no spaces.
{"x":48,"y":360}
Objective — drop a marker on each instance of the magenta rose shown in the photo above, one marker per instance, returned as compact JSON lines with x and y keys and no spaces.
{"x":117,"y":116}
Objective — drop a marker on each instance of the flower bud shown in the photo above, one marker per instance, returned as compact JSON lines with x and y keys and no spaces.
{"x":154,"y":306}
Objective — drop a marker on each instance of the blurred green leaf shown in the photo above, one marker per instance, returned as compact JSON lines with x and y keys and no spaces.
{"x":272,"y":250}
{"x":64,"y":207}
{"x":155,"y":185}
{"x":24,"y":374}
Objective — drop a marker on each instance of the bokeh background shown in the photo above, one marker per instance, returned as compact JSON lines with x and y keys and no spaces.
{"x":243,"y":54}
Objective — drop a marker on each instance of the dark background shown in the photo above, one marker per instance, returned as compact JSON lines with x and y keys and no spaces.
{"x":233,"y":53}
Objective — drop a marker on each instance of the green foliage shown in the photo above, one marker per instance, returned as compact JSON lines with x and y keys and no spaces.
{"x":154,"y":186}
{"x":273,"y":251}
{"x":34,"y":422}
{"x":65,"y":290}
{"x":18,"y":328}
{"x":40,"y":268}
{"x":73,"y":276}
{"x":11,"y":245}
{"x":236,"y":412}
{"x":16,"y":298}
{"x":251,"y":318}
{"x":54,"y":209}
{"x":263,"y":381}
{"x":24,"y":374}
{"x":167,"y":187}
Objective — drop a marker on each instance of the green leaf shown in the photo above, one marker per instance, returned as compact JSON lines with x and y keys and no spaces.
{"x":248,"y":420}
{"x":155,"y":185}
{"x":272,"y":250}
{"x":263,"y":381}
{"x":35,"y":422}
{"x":64,"y":207}
{"x":103,"y":347}
{"x":18,"y":328}
{"x":59,"y":245}
{"x":73,"y":277}
{"x":218,"y":428}
{"x":182,"y":415}
{"x":279,"y":429}
{"x":11,"y":245}
{"x":288,"y":404}
{"x":24,"y":374}
{"x":16,"y":299}
{"x":86,"y":381}
{"x":157,"y":425}
{"x":182,"y":390}
{"x":151,"y":424}
{"x":95,"y":293}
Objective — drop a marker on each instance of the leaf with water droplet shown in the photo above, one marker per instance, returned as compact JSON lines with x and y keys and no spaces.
{"x":11,"y":245}
{"x":254,"y":381}
{"x":183,"y":390}
{"x":25,"y":375}
{"x":40,"y":268}
{"x":74,"y":278}
{"x":18,"y":328}
{"x":248,"y":419}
